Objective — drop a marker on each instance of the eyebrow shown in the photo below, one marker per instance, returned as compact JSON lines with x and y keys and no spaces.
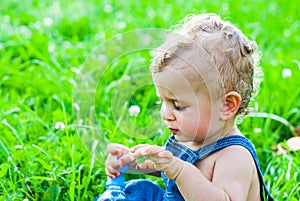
{"x":173,"y":99}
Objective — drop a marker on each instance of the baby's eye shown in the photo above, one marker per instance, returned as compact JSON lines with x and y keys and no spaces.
{"x":177,"y":106}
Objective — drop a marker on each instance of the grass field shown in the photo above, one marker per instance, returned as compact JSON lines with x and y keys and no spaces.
{"x":43,"y":44}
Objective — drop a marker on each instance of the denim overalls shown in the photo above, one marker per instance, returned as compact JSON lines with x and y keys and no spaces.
{"x":144,"y":190}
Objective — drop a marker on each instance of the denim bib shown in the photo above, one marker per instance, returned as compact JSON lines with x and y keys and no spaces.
{"x":172,"y":193}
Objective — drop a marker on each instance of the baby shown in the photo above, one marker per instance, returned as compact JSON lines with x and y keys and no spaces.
{"x":203,"y":74}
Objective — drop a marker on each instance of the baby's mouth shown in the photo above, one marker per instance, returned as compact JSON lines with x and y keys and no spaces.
{"x":174,"y":131}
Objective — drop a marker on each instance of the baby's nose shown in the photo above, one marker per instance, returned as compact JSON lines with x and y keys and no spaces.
{"x":167,"y":113}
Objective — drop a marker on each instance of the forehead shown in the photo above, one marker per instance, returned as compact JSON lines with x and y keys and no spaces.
{"x":186,"y":82}
{"x":176,"y":82}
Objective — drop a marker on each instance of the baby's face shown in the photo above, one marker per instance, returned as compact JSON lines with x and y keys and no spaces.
{"x":191,"y":115}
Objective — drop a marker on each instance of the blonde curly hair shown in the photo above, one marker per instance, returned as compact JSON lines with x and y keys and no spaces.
{"x":224,"y":47}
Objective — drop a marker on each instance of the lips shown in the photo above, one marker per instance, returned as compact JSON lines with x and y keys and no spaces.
{"x":173,"y":130}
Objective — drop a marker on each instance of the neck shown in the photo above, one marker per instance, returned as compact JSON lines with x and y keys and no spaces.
{"x":228,"y":130}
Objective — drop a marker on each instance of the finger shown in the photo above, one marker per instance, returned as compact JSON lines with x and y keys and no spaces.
{"x":111,"y":172}
{"x":140,"y":150}
{"x":127,"y":158}
{"x":165,"y":154}
{"x":113,"y":176}
{"x":139,"y":146}
{"x":113,"y":162}
{"x":117,"y":149}
{"x":152,"y":150}
{"x":148,"y":164}
{"x":162,"y":159}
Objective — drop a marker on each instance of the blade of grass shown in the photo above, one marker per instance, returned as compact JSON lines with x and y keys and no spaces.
{"x":89,"y":176}
{"x":274,"y":117}
{"x":14,"y":131}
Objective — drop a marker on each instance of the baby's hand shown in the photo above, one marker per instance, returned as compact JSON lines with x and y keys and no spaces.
{"x":155,"y":157}
{"x":117,"y":154}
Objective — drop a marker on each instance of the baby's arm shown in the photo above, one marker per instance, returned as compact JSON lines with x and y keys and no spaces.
{"x":231,"y":175}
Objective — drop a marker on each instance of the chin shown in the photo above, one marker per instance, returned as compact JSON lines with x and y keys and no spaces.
{"x":183,"y":139}
{"x":189,"y":139}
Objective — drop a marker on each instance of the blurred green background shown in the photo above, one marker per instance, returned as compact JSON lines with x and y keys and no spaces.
{"x":44,"y":43}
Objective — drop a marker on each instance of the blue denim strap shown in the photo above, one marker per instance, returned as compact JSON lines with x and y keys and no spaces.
{"x":191,"y":156}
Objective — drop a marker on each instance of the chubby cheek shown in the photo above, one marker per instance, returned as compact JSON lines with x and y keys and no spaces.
{"x":190,"y":123}
{"x":196,"y":124}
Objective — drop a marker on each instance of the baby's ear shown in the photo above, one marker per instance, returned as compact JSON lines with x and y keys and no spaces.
{"x":231,"y":105}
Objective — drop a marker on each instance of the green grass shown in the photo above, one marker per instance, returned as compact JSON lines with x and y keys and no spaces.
{"x":44,"y":43}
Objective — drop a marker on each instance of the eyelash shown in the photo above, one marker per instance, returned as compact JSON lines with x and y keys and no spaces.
{"x":177,"y":107}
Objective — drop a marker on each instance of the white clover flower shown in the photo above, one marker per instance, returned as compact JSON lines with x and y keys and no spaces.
{"x":47,"y":21}
{"x":134,"y":110}
{"x":60,"y":125}
{"x":257,"y":130}
{"x":130,"y":141}
{"x":108,"y":8}
{"x":80,"y":122}
{"x":286,"y":73}
{"x":121,"y":25}
{"x":18,"y":147}
{"x":51,"y":47}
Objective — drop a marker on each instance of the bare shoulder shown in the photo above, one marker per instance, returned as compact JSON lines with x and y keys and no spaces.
{"x":234,"y":152}
{"x":236,"y":159}
{"x":235,"y":172}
